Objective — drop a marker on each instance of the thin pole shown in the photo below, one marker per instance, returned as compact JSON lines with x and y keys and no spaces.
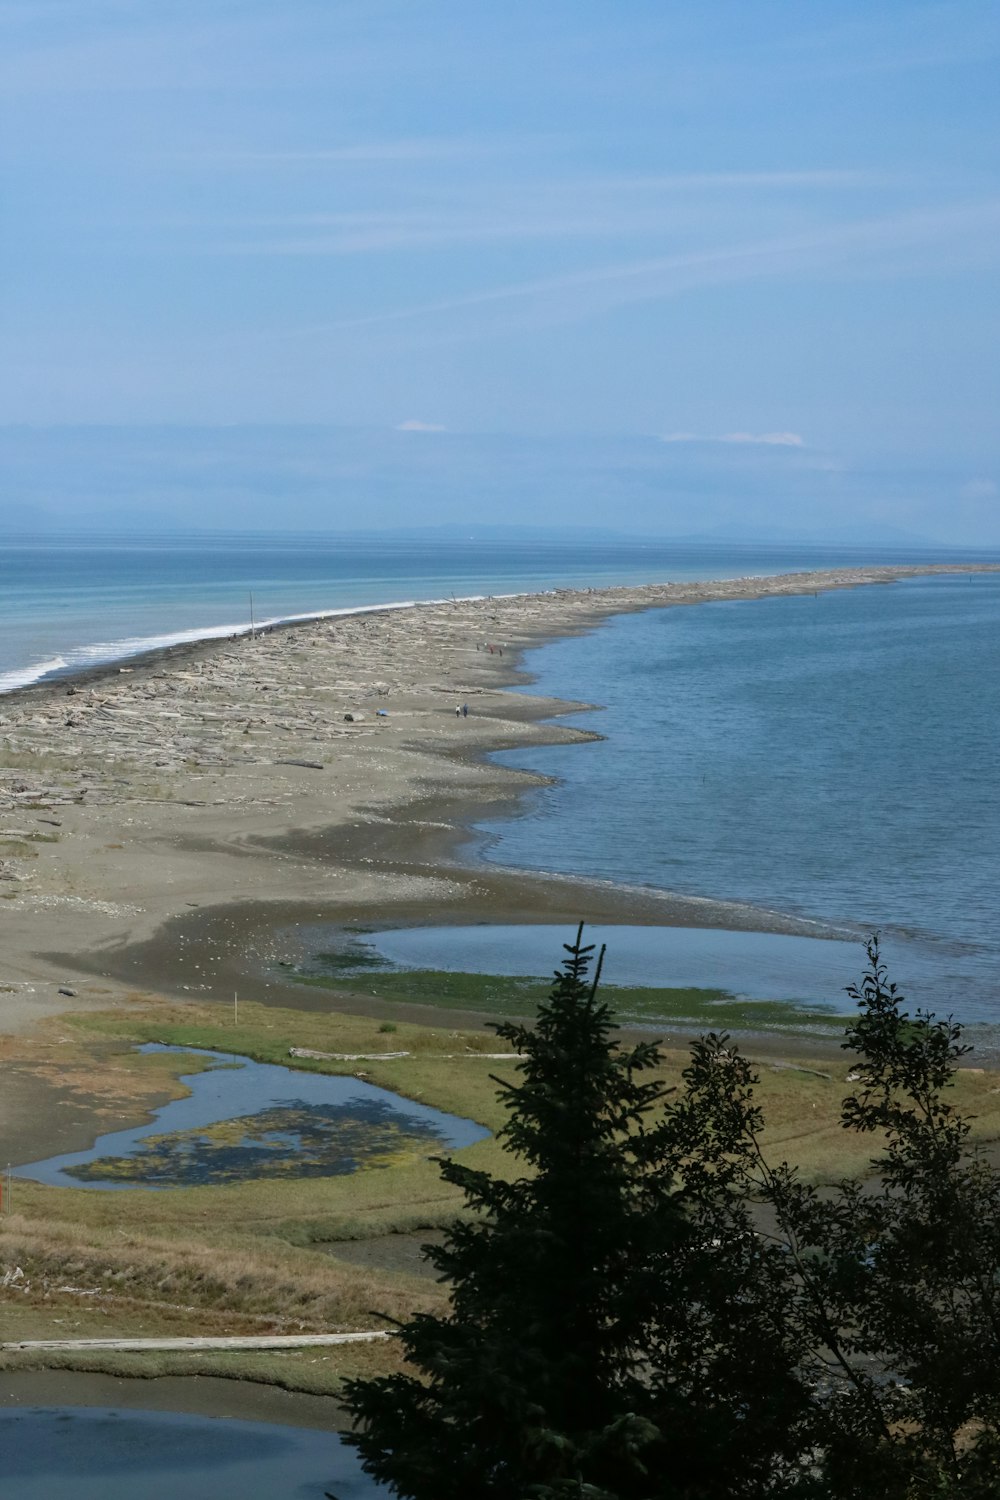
{"x":236,"y":1009}
{"x":253,"y":633}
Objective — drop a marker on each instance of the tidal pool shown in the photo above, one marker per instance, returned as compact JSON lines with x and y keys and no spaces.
{"x":751,"y":965}
{"x":244,"y":1120}
{"x":96,"y":1453}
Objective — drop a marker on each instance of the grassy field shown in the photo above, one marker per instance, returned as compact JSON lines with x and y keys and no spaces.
{"x":262,"y":1256}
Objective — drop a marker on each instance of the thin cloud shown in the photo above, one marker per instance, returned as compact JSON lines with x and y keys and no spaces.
{"x":838,"y":248}
{"x":768,"y":439}
{"x":755,"y":439}
{"x":979,"y":489}
{"x":579,"y":208}
{"x":415,"y":149}
{"x":413,"y":425}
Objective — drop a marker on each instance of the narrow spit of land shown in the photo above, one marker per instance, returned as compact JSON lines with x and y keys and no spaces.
{"x":320,"y":766}
{"x":159,"y":823}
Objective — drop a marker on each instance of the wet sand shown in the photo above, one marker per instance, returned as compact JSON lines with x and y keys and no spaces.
{"x":164,"y":826}
{"x":157,"y":821}
{"x":197,"y":1395}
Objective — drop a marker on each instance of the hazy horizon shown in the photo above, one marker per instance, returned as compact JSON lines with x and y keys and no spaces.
{"x":671,"y":269}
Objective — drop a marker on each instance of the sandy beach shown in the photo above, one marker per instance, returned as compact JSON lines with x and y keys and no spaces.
{"x":158,"y":819}
{"x":161,"y":826}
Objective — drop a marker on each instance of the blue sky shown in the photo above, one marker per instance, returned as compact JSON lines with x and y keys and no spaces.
{"x":664,"y":266}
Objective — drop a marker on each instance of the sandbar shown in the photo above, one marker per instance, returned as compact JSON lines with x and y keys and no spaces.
{"x":158,"y":819}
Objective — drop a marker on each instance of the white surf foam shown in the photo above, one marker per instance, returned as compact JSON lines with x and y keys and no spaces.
{"x":25,"y":676}
{"x":106,"y":653}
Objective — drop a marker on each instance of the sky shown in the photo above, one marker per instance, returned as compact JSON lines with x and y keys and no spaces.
{"x":661,"y":266}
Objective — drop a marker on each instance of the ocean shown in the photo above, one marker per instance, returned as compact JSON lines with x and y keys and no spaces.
{"x":834,"y":756}
{"x":71,"y":602}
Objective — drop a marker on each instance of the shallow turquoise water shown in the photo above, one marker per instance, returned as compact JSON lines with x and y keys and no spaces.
{"x":70,"y":602}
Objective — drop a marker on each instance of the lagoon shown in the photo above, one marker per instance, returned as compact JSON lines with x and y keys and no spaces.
{"x":244,"y":1120}
{"x":98,"y":1453}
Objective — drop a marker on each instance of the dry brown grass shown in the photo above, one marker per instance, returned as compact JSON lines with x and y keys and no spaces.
{"x":263,"y":1284}
{"x":244,"y":1257}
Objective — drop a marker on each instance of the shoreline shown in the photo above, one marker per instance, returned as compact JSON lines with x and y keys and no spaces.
{"x":169,"y":647}
{"x":321,"y":767}
{"x":189,"y":805}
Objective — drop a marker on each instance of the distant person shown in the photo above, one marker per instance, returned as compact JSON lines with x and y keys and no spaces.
{"x":465,"y":710}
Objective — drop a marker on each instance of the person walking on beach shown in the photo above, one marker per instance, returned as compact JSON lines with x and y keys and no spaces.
{"x":465,"y":710}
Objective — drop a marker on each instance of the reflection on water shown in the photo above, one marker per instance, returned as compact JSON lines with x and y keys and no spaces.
{"x":756,"y":965}
{"x":291,"y":1140}
{"x":246,"y":1120}
{"x":93,"y":1453}
{"x":832,"y":757}
{"x":759,"y":965}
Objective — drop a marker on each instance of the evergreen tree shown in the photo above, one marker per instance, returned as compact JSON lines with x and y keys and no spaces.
{"x":891,"y":1297}
{"x":615,"y":1328}
{"x":535,"y":1382}
{"x":655,"y":1310}
{"x":900,"y":1277}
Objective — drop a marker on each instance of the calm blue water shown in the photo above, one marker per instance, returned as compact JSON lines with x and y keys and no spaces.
{"x":169,"y":1150}
{"x":74,"y":602}
{"x":836,"y":757}
{"x":96,"y":1453}
{"x":753,"y":965}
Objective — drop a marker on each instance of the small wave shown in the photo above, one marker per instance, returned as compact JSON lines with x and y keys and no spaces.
{"x":106,"y":653}
{"x":25,"y":676}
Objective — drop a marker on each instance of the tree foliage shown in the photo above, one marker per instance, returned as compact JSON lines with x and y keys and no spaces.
{"x":654,"y":1310}
{"x":899,"y":1277}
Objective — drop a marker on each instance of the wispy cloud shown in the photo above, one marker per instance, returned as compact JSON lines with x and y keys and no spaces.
{"x":482,"y":210}
{"x":960,"y":231}
{"x":413,"y":425}
{"x":755,"y":439}
{"x":766,"y":439}
{"x":360,"y":153}
{"x":980,"y":488}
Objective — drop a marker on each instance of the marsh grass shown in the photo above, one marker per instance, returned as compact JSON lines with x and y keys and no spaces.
{"x":519,"y":995}
{"x":261,"y":1255}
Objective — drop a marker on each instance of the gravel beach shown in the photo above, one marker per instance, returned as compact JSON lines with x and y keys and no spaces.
{"x":156,"y":820}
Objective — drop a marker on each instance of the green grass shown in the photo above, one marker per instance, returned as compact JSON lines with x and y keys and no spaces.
{"x":261,"y":1255}
{"x":519,"y":995}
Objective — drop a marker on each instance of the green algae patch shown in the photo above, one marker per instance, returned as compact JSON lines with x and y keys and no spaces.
{"x":296,"y":1140}
{"x":519,"y":995}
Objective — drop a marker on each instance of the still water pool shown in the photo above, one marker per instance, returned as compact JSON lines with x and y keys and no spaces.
{"x":244,"y":1120}
{"x":759,"y":965}
{"x":95,"y":1453}
{"x":755,"y":966}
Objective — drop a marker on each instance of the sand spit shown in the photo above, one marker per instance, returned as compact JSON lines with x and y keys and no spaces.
{"x":282,"y":770}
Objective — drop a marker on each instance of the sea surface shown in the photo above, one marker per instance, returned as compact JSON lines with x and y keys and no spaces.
{"x":832,"y":756}
{"x":71,"y":602}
